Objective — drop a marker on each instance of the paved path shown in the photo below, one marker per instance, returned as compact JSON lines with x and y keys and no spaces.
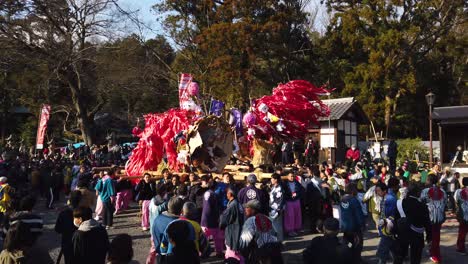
{"x":128,"y":223}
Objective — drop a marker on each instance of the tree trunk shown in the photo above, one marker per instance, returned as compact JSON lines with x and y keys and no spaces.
{"x":85,"y":120}
{"x":388,"y":113}
{"x":245,"y":82}
{"x":86,"y":125}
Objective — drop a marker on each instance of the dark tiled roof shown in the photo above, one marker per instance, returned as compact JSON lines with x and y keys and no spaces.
{"x":450,"y":112}
{"x":338,"y":107}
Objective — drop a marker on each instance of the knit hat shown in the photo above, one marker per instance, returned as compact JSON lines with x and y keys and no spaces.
{"x":331,"y":224}
{"x":253,"y":204}
{"x":252,"y":178}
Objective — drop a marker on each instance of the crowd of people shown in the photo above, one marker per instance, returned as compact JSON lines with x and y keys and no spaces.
{"x":192,"y":216}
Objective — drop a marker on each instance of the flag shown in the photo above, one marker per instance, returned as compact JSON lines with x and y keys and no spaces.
{"x":237,"y":121}
{"x":216,"y":107}
{"x":45,"y":114}
{"x":185,"y":80}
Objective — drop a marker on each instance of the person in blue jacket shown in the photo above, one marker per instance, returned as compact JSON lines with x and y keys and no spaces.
{"x":387,"y":219}
{"x":352,"y":221}
{"x":161,"y":222}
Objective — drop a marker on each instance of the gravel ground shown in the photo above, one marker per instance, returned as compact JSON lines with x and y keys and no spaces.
{"x":129,"y":223}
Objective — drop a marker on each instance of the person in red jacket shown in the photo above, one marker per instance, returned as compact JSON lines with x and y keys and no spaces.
{"x":352,"y":156}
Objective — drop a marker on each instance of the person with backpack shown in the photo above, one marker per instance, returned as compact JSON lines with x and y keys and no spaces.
{"x":436,"y":200}
{"x":352,"y":221}
{"x":413,"y":221}
{"x":461,"y":200}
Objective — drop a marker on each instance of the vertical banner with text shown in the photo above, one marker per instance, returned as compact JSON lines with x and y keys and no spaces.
{"x":185,"y":80}
{"x":41,"y":129}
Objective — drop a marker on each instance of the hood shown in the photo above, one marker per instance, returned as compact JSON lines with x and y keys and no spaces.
{"x":88,"y":225}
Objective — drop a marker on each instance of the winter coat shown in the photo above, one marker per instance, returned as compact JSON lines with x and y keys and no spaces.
{"x":220,"y":192}
{"x":352,"y":217}
{"x":288,"y":191}
{"x":146,"y":190}
{"x":210,"y":212}
{"x":90,"y":243}
{"x":196,"y":195}
{"x":159,"y":227}
{"x":231,"y":221}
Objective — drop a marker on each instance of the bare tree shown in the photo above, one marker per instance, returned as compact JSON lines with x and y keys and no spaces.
{"x":65,"y":34}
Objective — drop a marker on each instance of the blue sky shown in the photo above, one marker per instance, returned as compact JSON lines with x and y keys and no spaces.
{"x":147,"y":15}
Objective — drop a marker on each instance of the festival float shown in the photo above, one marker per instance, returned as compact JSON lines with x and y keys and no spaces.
{"x":188,"y":139}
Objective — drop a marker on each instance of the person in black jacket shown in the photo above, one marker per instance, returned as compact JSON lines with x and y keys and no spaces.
{"x":64,"y":226}
{"x":196,"y":194}
{"x":146,"y":191}
{"x":413,"y":220}
{"x":90,"y":241}
{"x":327,"y":248}
{"x":231,"y":222}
